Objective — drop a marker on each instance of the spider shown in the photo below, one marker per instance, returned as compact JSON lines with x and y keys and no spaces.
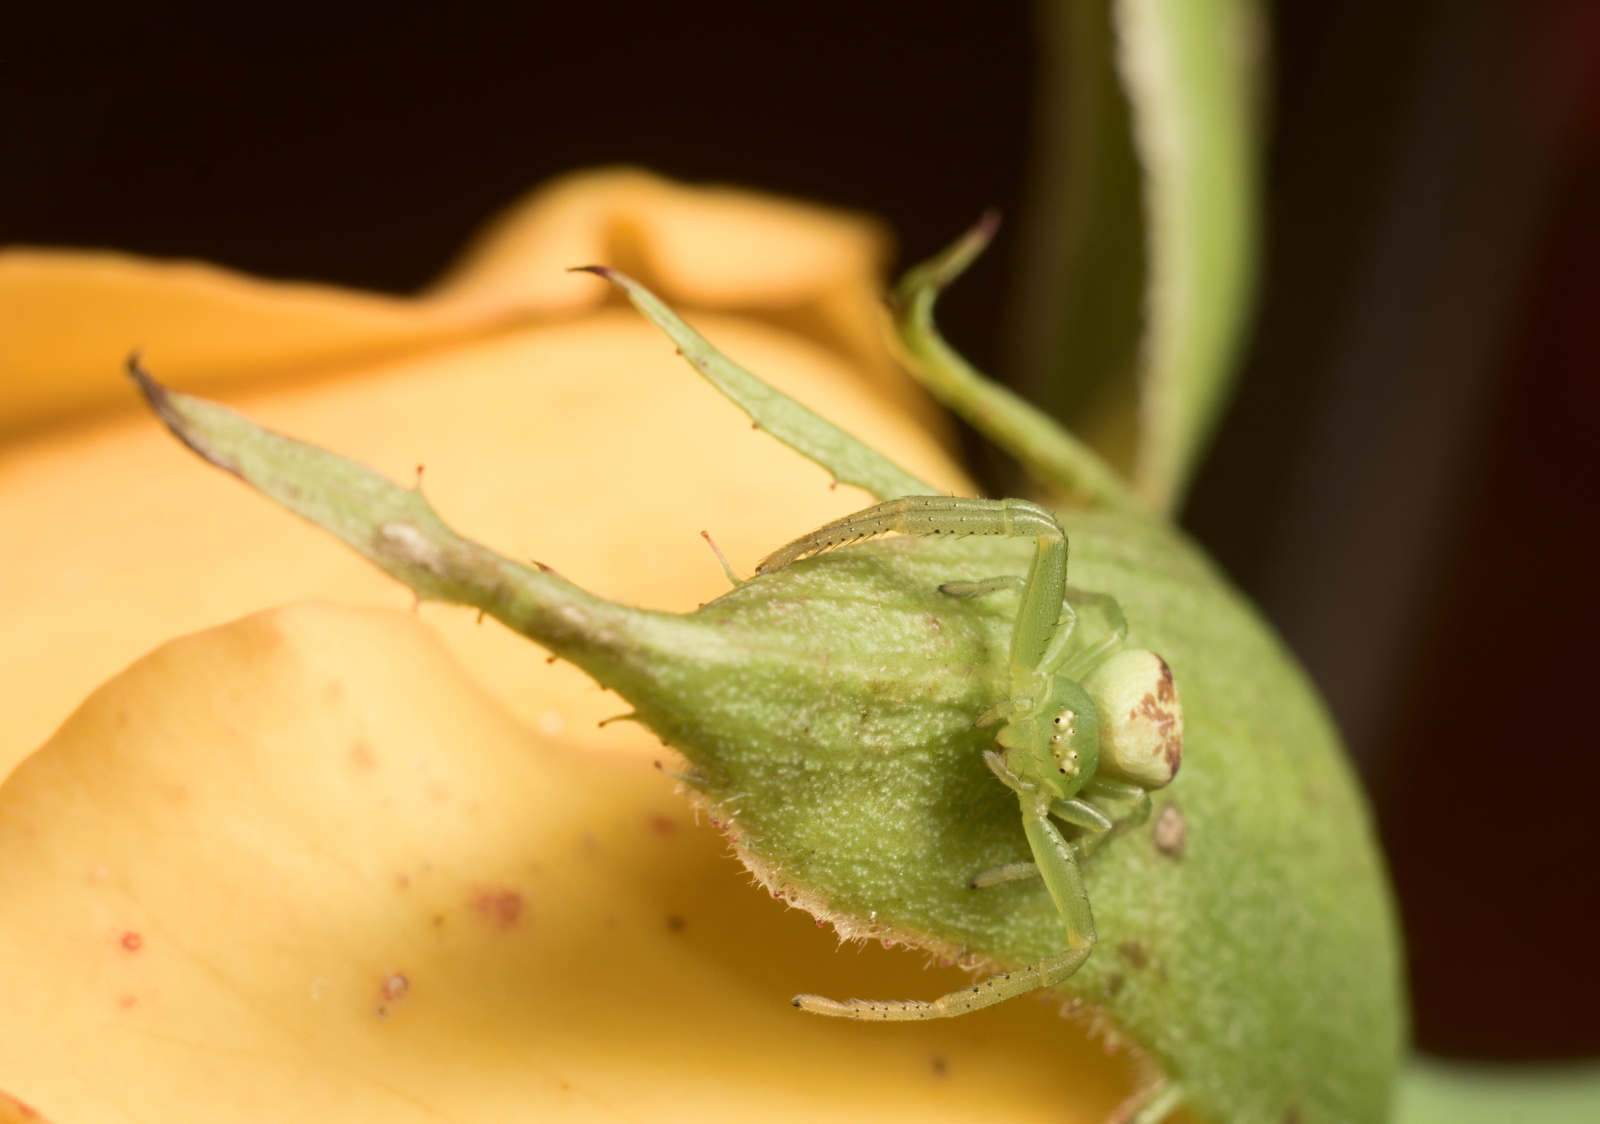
{"x":1102,"y":723}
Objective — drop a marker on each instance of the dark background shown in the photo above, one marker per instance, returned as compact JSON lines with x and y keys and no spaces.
{"x":1406,"y":480}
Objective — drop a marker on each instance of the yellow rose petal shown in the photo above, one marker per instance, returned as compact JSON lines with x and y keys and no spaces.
{"x":586,"y":445}
{"x":580,"y":440}
{"x":68,"y":318}
{"x":300,"y":868}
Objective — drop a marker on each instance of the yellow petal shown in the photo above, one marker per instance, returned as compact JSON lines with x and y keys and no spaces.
{"x":582,"y":441}
{"x":300,"y":868}
{"x":68,"y":319}
{"x":810,"y":269}
{"x":15,"y":1111}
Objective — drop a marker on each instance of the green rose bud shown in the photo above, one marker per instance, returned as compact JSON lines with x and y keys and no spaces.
{"x":863,"y":723}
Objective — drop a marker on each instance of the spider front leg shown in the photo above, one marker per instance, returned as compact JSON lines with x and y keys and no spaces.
{"x":1043,"y":590}
{"x":1097,"y":825}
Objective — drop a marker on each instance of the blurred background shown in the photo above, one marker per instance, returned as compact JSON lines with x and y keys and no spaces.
{"x":1405,"y":480}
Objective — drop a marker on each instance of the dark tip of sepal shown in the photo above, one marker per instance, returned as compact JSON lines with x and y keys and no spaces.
{"x":154,"y":393}
{"x":987,"y":226}
{"x":922,"y":284}
{"x":163,"y":404}
{"x":953,"y":262}
{"x":604,"y":271}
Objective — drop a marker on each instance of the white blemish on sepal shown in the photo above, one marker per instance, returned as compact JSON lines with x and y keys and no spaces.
{"x":406,"y":544}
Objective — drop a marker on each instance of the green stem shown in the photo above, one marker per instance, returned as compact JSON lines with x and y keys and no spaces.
{"x":1069,"y":468}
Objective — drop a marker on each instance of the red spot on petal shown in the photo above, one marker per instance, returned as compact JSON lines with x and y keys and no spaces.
{"x":132,"y":941}
{"x":126,"y":1002}
{"x":662,"y":825}
{"x":21,"y":1110}
{"x":362,"y":757}
{"x":499,"y":906}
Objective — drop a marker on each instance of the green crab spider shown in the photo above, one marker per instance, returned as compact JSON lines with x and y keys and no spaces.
{"x":1101,"y":724}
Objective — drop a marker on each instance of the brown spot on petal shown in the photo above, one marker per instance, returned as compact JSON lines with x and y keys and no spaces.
{"x":940,"y":1067}
{"x":675,"y":923}
{"x":391,"y":989}
{"x":131,"y":941}
{"x":1171,"y":834}
{"x":499,"y":906}
{"x":1133,"y":953}
{"x":12,"y":1109}
{"x":662,"y":825}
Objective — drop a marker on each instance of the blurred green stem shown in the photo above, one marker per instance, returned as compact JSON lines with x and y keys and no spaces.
{"x":1076,"y":307}
{"x":1139,"y":253}
{"x":1440,"y":1092}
